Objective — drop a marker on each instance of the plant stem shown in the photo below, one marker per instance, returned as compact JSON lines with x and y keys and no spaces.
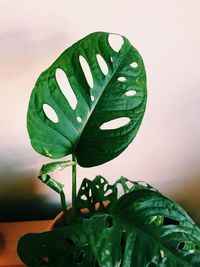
{"x":74,"y":199}
{"x":64,"y":208}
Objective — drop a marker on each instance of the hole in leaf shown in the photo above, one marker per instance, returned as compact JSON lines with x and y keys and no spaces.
{"x":130,"y":93}
{"x":92,"y":98}
{"x":109,"y":221}
{"x":69,"y":241}
{"x":134,"y":65}
{"x":50,"y":113}
{"x":129,"y":184}
{"x":97,"y":264}
{"x":87,"y":71}
{"x":115,"y":124}
{"x":162,"y":254}
{"x":116,"y":41}
{"x":168,"y":221}
{"x":45,"y":259}
{"x":181,"y":245}
{"x":84,"y":210}
{"x":83,"y":197}
{"x":108,"y":193}
{"x":106,"y":203}
{"x":90,"y":192}
{"x":97,"y":206}
{"x":120,"y":188}
{"x":102,"y":181}
{"x":65,"y":88}
{"x":79,"y":119}
{"x":105,"y":187}
{"x":102,"y":64}
{"x":121,"y":79}
{"x":143,"y":184}
{"x":187,"y":245}
{"x":155,"y":220}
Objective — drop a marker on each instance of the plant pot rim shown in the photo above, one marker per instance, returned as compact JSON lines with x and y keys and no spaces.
{"x":58,"y":220}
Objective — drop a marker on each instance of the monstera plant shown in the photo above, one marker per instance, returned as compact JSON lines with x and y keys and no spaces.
{"x":124,"y":224}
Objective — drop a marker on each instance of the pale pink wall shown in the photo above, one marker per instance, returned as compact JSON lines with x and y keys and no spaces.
{"x":166,"y":152}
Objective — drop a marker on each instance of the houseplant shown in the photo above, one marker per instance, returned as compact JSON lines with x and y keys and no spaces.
{"x":135,"y":226}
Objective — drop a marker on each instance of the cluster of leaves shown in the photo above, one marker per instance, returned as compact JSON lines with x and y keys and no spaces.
{"x":140,"y":228}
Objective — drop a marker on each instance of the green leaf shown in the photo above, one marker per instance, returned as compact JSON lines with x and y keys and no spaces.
{"x":96,"y":195}
{"x":56,"y":166}
{"x":142,"y":220}
{"x":82,"y":129}
{"x":99,"y":196}
{"x":132,"y":239}
{"x":65,"y":246}
{"x":52,"y":167}
{"x":141,"y":229}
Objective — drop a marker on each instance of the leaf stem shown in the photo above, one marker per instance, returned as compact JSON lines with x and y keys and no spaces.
{"x":64,"y":208}
{"x":74,"y":199}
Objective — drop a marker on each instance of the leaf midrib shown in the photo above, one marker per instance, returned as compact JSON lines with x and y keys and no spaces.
{"x":154,"y":240}
{"x":96,"y":103}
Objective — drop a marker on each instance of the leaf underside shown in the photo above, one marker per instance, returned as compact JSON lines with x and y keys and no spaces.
{"x":142,"y":228}
{"x":120,"y":93}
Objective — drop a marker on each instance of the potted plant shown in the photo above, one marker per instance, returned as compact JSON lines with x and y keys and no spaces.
{"x":122,"y":224}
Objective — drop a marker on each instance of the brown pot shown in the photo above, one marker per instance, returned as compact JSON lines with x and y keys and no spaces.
{"x":58,"y":220}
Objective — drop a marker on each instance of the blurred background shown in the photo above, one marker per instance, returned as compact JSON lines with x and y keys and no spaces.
{"x":166,"y":151}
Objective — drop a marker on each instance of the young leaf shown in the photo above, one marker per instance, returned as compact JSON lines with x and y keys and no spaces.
{"x":56,"y":166}
{"x":106,"y":88}
{"x":96,"y":195}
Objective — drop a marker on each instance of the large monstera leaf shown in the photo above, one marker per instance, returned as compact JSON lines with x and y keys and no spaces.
{"x":141,"y":229}
{"x":117,"y":90}
{"x":155,"y":232}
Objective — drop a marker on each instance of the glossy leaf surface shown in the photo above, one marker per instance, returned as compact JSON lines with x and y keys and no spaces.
{"x":107,"y":88}
{"x":142,"y":228}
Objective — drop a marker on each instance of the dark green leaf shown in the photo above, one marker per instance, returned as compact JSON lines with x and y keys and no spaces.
{"x":174,"y":242}
{"x":65,"y":246}
{"x":144,"y":228}
{"x":96,"y":195}
{"x":121,"y":93}
{"x":141,"y":229}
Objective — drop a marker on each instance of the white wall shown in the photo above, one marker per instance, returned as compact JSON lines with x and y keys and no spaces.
{"x":166,"y":151}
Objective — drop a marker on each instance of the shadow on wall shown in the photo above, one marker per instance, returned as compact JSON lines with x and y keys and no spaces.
{"x":13,"y":210}
{"x":188,"y":196}
{"x":20,"y":199}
